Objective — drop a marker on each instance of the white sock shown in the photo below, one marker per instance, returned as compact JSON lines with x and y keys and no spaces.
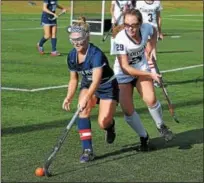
{"x":135,"y":123}
{"x":156,"y":113}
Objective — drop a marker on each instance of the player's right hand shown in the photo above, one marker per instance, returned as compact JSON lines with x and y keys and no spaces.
{"x":64,"y":10}
{"x":66,"y":104}
{"x":156,"y":77}
{"x":55,"y":16}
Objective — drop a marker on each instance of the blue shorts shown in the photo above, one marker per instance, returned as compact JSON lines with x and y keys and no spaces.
{"x":108,"y":90}
{"x":45,"y":20}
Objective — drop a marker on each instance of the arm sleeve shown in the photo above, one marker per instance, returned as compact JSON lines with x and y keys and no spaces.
{"x":159,"y":6}
{"x":119,"y":48}
{"x":71,"y":65}
{"x":98,"y":60}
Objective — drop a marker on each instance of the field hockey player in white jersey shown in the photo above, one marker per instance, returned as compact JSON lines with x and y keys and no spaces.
{"x":151,"y":13}
{"x":117,"y":11}
{"x":132,"y":70}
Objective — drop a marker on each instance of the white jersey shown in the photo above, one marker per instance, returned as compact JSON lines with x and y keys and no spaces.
{"x":124,"y":44}
{"x":118,"y":6}
{"x":149,"y":11}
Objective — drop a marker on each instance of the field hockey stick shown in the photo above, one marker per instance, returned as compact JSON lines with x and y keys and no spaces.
{"x":110,"y":30}
{"x":59,"y":144}
{"x":170,"y":105}
{"x":60,"y":14}
{"x":116,"y":23}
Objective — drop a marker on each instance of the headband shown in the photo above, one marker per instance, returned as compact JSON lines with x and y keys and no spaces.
{"x":76,"y":28}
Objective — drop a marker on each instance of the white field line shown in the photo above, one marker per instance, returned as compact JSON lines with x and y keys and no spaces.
{"x":182,"y":68}
{"x":37,"y":28}
{"x":33,"y":90}
{"x":26,"y":28}
{"x":65,"y":86}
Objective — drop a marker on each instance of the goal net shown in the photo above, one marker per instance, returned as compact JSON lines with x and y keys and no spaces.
{"x":93,"y":11}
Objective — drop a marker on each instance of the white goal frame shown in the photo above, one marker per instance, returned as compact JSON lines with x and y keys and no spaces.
{"x":90,"y":21}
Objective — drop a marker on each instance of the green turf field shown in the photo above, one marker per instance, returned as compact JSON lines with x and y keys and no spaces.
{"x":32,"y":120}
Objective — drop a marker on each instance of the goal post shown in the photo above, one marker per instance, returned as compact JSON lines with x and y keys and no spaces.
{"x":94,"y":11}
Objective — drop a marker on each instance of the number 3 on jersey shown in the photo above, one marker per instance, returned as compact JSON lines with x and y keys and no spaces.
{"x":119,"y":47}
{"x":150,"y":17}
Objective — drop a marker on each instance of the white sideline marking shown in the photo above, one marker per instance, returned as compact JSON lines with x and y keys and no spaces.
{"x":187,"y":20}
{"x":33,"y":90}
{"x":182,"y":68}
{"x":15,"y":89}
{"x":64,"y":86}
{"x":22,"y":29}
{"x":175,"y":36}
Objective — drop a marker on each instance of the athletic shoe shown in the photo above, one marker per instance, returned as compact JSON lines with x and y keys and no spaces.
{"x":87,"y":156}
{"x":110,"y":133}
{"x":144,"y":143}
{"x":55,"y":53}
{"x":166,"y":132}
{"x":40,"y":49}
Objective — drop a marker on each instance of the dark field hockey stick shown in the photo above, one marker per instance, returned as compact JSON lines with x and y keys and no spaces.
{"x":60,"y":14}
{"x":110,"y":30}
{"x":59,"y":144}
{"x":170,"y":105}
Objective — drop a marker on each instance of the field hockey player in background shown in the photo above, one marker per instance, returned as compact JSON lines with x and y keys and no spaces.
{"x":117,"y":11}
{"x":151,"y":13}
{"x":49,"y":23}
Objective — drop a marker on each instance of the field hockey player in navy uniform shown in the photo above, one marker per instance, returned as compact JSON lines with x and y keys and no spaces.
{"x":98,"y":85}
{"x":49,"y":25}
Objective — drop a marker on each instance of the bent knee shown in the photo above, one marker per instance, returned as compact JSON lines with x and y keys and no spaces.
{"x":150,"y":102}
{"x":104,"y":122}
{"x":85,"y":113}
{"x":47,"y":36}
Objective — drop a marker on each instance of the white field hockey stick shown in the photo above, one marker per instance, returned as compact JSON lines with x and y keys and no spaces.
{"x":170,"y":105}
{"x":60,"y":14}
{"x":59,"y":144}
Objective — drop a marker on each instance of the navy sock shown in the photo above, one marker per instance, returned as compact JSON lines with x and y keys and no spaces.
{"x":42,"y":41}
{"x":54,"y":43}
{"x":84,"y":128}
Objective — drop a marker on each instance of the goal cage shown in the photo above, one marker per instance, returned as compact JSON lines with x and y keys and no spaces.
{"x":94,"y":12}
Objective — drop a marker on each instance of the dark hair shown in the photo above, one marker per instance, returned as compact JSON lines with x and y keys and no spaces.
{"x":136,"y":13}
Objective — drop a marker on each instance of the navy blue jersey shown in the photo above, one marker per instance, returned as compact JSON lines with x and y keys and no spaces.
{"x":52,"y":6}
{"x":95,"y":58}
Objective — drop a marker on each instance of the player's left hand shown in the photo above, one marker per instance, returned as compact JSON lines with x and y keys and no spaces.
{"x":161,"y":36}
{"x":64,"y":10}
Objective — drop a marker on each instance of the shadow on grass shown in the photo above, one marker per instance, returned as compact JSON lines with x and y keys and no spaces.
{"x":183,"y":140}
{"x":184,"y":82}
{"x":175,"y":51}
{"x":171,"y":32}
{"x":63,"y":123}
